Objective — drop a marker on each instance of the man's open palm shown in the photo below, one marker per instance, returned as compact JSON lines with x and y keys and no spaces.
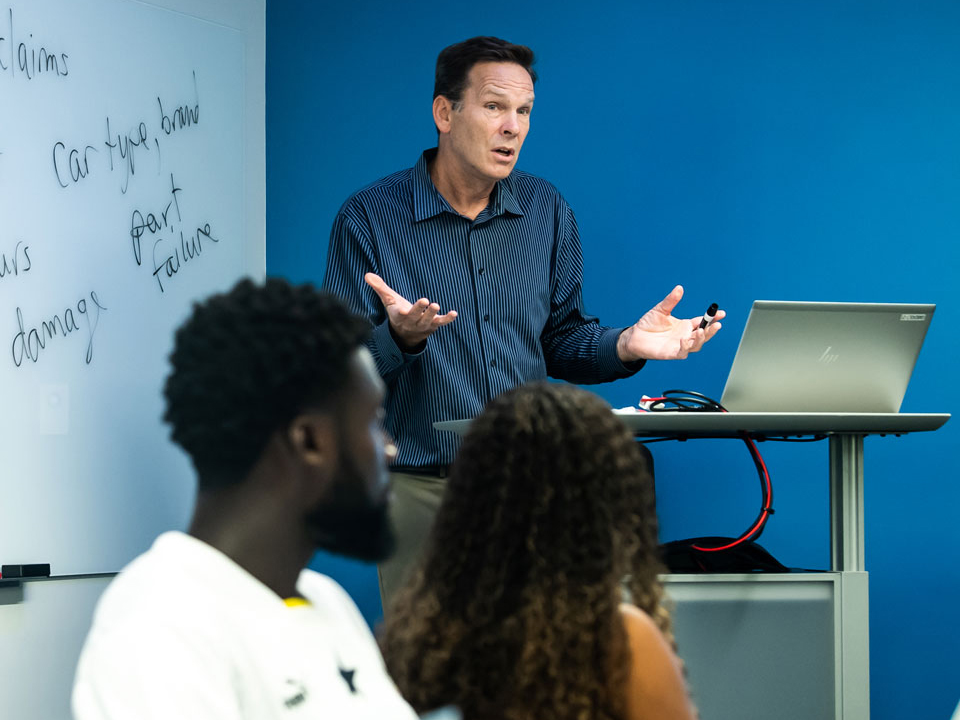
{"x":412,"y":323}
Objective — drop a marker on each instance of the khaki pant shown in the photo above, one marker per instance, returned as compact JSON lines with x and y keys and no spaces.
{"x":416,"y":499}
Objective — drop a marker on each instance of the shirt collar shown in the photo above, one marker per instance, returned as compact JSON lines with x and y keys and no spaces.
{"x":208,"y":567}
{"x":428,"y":202}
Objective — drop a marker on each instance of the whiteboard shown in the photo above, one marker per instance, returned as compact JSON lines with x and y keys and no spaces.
{"x":131,"y":184}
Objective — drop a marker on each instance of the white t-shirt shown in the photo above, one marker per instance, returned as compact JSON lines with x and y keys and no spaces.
{"x":184,"y":632}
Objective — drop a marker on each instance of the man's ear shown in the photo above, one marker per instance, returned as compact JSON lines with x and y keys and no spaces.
{"x":442,"y":109}
{"x":313,"y":437}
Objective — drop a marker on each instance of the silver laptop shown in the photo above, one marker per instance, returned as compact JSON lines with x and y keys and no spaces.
{"x":826,"y":357}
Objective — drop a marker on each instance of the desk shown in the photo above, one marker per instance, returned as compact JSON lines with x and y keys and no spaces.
{"x":847,"y":580}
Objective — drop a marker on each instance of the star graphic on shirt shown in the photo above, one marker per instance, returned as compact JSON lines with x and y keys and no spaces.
{"x":347,"y":675}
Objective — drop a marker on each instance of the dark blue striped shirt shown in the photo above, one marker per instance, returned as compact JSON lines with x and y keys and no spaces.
{"x":514,"y":276}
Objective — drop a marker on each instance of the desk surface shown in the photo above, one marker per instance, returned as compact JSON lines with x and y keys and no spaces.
{"x":762,"y":424}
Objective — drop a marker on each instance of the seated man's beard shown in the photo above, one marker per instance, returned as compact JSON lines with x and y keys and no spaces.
{"x":349,"y":523}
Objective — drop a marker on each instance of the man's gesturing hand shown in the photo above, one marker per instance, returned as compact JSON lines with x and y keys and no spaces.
{"x":660,"y":336}
{"x":412,"y":323}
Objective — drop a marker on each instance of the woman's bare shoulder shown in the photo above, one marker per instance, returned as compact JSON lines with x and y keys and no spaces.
{"x":656,"y":687}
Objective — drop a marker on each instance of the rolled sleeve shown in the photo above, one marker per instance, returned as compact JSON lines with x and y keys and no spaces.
{"x":389,"y":357}
{"x":609,"y":362}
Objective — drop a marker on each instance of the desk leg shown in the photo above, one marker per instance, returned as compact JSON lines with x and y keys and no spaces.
{"x":846,"y":503}
{"x":847,"y":557}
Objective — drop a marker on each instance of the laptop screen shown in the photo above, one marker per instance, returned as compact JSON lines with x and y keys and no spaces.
{"x":826,"y":357}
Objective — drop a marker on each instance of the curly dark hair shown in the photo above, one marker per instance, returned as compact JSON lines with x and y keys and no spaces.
{"x":513,"y":612}
{"x":456,"y":61}
{"x":246,"y":362}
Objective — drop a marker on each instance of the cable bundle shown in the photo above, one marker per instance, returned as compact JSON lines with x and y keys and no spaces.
{"x":689,"y":401}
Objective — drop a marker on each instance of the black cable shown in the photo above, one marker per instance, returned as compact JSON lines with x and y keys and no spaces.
{"x":684,"y":400}
{"x":690,"y":401}
{"x":814,"y":438}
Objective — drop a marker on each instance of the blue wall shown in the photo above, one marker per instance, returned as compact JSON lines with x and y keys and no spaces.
{"x":807,"y":149}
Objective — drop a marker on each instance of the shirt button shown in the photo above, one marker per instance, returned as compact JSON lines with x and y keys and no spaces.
{"x":493,"y":363}
{"x":486,"y":317}
{"x":480,"y":271}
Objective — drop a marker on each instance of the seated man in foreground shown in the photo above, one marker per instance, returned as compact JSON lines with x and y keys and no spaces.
{"x":277,"y":401}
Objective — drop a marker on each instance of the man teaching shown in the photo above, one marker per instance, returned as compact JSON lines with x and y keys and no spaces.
{"x":471,"y":272}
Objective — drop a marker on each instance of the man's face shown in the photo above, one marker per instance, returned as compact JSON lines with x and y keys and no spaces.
{"x":487,"y":128}
{"x":352,"y":518}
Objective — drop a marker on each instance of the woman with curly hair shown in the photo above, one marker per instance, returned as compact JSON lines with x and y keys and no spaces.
{"x":516,"y":611}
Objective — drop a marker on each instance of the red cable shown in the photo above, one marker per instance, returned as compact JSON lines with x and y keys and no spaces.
{"x":765,"y":512}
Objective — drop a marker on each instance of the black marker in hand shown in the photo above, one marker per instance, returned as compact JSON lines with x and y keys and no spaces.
{"x":708,"y":315}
